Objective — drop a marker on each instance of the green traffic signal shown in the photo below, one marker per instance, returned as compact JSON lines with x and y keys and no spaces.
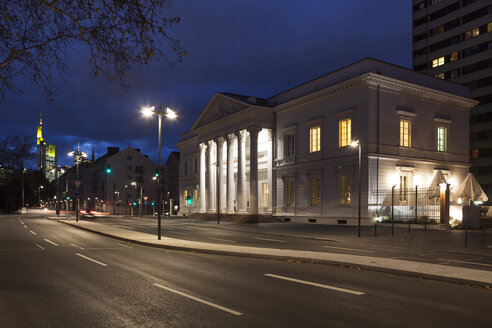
{"x":189,"y":201}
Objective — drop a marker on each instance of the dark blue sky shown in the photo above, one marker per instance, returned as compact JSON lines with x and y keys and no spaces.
{"x":252,"y":47}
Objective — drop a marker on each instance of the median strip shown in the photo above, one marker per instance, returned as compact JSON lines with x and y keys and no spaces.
{"x":51,"y":242}
{"x":90,"y":259}
{"x":199,"y":300}
{"x":338,"y":289}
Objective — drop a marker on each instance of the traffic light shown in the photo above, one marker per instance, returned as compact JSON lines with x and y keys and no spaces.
{"x":153,"y":203}
{"x":68,"y":197}
{"x":156,"y":173}
{"x":134,"y":203}
{"x":108,"y":168}
{"x":189,"y":201}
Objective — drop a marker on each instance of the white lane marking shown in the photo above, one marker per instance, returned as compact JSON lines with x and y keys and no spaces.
{"x":25,"y":226}
{"x":349,"y":291}
{"x":90,"y":259}
{"x":268,"y":239}
{"x":124,"y":245}
{"x":465,"y":262}
{"x":226,"y":240}
{"x":179,"y":233}
{"x":21,"y":222}
{"x":40,"y":246}
{"x":199,"y":300}
{"x":76,"y":246}
{"x":122,"y":226}
{"x":351,"y":249}
{"x":51,"y":242}
{"x":33,"y":232}
{"x":183,"y":228}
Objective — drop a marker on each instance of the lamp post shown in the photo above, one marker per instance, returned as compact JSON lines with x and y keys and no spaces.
{"x":77,"y":155}
{"x":170,"y":114}
{"x":356,"y":143}
{"x":39,"y":195}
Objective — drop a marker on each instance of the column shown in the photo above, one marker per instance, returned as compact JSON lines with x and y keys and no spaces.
{"x":269,"y":169}
{"x":253,"y":169}
{"x":241,"y":174}
{"x":219,"y":192}
{"x":230,"y":189}
{"x":203,"y":186}
{"x":210,"y":180}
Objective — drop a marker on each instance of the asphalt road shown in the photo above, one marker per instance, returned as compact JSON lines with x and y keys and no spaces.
{"x":53,"y":275}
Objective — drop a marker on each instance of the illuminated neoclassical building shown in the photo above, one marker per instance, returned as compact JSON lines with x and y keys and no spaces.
{"x":46,"y":154}
{"x":293,"y":156}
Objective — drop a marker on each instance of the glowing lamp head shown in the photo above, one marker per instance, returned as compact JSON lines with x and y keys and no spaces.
{"x":354,"y":143}
{"x":148,"y":111}
{"x":170,"y":113}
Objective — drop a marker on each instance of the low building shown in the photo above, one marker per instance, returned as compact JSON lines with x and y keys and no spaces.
{"x":295,"y":155}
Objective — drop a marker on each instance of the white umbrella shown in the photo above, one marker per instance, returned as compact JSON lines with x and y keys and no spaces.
{"x":437,"y":180}
{"x":470,"y":189}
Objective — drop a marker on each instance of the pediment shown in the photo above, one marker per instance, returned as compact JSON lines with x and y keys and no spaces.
{"x":219,"y":107}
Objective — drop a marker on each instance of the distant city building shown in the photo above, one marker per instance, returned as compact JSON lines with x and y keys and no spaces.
{"x":170,"y":181}
{"x":294,"y":156}
{"x":46,"y":154}
{"x":452,"y":40}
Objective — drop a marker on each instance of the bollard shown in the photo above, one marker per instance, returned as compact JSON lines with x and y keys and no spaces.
{"x":466,"y":237}
{"x":425,"y":223}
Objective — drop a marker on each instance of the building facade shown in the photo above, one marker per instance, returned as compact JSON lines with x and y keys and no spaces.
{"x":452,"y":39}
{"x":293,"y":156}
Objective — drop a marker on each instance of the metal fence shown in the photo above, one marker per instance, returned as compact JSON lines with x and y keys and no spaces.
{"x":416,"y":205}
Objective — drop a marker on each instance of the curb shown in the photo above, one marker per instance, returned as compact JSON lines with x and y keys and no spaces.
{"x":402,"y":272}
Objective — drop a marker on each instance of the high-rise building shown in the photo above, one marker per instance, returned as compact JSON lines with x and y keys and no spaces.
{"x":452,"y":40}
{"x":46,"y":154}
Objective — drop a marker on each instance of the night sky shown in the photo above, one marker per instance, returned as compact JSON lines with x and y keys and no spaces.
{"x":251,"y":47}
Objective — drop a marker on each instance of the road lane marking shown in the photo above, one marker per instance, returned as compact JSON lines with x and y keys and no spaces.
{"x":82,"y":248}
{"x":124,"y":245}
{"x":268,"y":239}
{"x":51,"y":242}
{"x":25,"y":226}
{"x":90,"y":259}
{"x":33,"y":232}
{"x":351,"y":249}
{"x":465,"y":262}
{"x":199,"y":300}
{"x":183,"y":228}
{"x":40,"y":246}
{"x":21,"y":222}
{"x":226,"y":240}
{"x":179,"y":233}
{"x":122,"y":226}
{"x":343,"y":290}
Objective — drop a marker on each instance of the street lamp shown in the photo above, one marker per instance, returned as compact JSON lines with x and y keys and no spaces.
{"x":77,"y":155}
{"x":170,"y":114}
{"x":39,"y":195}
{"x":356,"y":143}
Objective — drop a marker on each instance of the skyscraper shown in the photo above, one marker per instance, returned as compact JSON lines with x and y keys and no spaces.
{"x":46,"y":154}
{"x":452,"y":40}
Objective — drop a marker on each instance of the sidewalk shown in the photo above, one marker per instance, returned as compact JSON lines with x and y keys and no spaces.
{"x":414,"y":268}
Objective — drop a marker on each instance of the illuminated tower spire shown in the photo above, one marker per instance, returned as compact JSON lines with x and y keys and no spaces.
{"x":39,"y":134}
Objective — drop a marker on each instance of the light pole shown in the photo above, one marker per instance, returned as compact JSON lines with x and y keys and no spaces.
{"x":170,"y":114}
{"x":356,"y":143}
{"x":39,"y":195}
{"x":78,"y":155}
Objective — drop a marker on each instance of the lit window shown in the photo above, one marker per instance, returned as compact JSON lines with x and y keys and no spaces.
{"x":264,"y":189}
{"x":345,"y":189}
{"x":195,"y":196}
{"x":475,"y":32}
{"x":438,"y":62}
{"x":185,"y":194}
{"x":344,"y":132}
{"x":290,"y":193}
{"x":489,"y":27}
{"x":315,"y":191}
{"x":454,"y":56}
{"x":405,"y":133}
{"x":290,"y":149}
{"x":403,"y":188}
{"x":442,"y":138}
{"x":475,"y":153}
{"x":440,"y":76}
{"x":315,"y":139}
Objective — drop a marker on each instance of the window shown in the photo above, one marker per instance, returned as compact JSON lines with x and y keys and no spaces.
{"x":196,"y":165}
{"x":442,"y":138}
{"x":186,"y":167}
{"x":475,"y":153}
{"x":185,"y":195}
{"x":345,"y":190}
{"x":290,"y":148}
{"x":264,"y":192}
{"x":289,"y":193}
{"x":438,"y":62}
{"x":440,"y":76}
{"x":315,"y":191}
{"x":405,"y":133}
{"x":195,"y":196}
{"x":315,"y":139}
{"x":454,"y":56}
{"x":129,"y":177}
{"x":344,"y":132}
{"x":129,"y":158}
{"x":403,"y":189}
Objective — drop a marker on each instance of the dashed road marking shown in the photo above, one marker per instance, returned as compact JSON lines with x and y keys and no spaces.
{"x":91,"y":259}
{"x":350,"y":249}
{"x":179,"y":233}
{"x":51,"y":242}
{"x":33,"y":232}
{"x":338,"y":289}
{"x":268,"y":239}
{"x":226,"y":240}
{"x":40,"y":246}
{"x":124,"y":245}
{"x":82,"y":248}
{"x":220,"y":307}
{"x":122,"y":226}
{"x":25,"y":226}
{"x":465,"y":262}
